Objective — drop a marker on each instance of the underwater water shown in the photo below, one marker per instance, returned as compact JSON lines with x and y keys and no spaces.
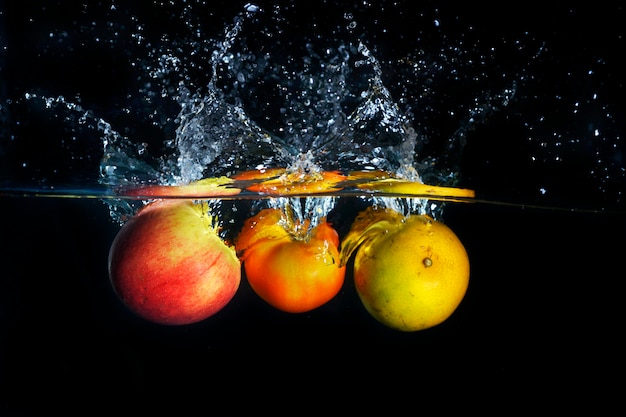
{"x":526,"y":108}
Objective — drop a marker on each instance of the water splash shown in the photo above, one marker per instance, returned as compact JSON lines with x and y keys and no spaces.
{"x":300,"y":215}
{"x":328,"y":109}
{"x":217,"y":136}
{"x":206,"y":97}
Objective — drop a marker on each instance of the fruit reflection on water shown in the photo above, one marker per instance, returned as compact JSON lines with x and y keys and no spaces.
{"x":169,"y":265}
{"x":292,"y":268}
{"x":411,"y":273}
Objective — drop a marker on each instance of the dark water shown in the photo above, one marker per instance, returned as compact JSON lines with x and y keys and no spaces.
{"x":539,"y":326}
{"x":544,"y":309}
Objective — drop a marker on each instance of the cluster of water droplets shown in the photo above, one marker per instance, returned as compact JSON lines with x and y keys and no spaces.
{"x":301,"y":113}
{"x":204,"y":104}
{"x":313,"y":119}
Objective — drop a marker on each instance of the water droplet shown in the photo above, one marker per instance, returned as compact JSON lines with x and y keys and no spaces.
{"x":252,"y":8}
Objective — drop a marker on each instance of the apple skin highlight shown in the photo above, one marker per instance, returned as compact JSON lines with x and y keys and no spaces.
{"x":168,"y":264}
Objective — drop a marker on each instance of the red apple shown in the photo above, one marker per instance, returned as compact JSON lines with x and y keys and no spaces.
{"x":169,"y":265}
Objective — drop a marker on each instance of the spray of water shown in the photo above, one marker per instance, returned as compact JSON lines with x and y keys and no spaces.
{"x":328,"y":109}
{"x":260,"y":94}
{"x":321,"y":125}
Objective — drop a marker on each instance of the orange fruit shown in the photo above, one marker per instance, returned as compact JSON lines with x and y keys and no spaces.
{"x":410,"y":273}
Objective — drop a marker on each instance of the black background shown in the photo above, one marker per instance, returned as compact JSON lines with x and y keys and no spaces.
{"x":539,"y":326}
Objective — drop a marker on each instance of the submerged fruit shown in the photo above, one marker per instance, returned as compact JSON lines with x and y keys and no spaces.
{"x":410,"y":273}
{"x":294,"y":273}
{"x":169,"y":266}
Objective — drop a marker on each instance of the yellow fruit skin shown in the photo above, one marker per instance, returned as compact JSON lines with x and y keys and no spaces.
{"x":413,"y":277}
